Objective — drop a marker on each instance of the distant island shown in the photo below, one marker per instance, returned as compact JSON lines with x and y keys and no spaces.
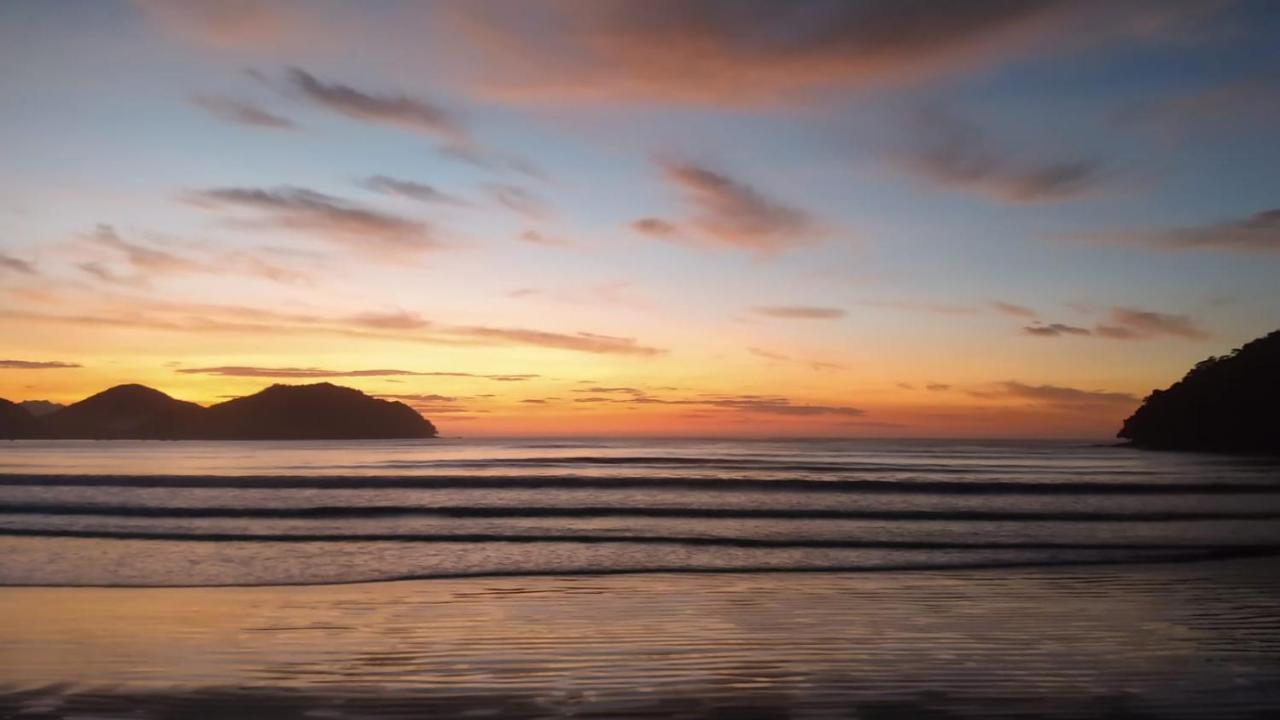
{"x":322,"y":411}
{"x":1224,"y":404}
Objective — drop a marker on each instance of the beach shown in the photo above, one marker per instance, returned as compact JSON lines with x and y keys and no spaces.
{"x":1193,"y":640}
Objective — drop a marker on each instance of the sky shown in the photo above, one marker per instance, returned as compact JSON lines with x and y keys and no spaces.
{"x":731,"y":217}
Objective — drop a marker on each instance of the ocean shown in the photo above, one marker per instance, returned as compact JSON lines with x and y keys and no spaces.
{"x":638,"y":578}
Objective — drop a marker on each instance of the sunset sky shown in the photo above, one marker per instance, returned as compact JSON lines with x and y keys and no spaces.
{"x":979,"y":218}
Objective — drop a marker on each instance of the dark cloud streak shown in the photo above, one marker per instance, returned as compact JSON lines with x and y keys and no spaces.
{"x":241,"y":113}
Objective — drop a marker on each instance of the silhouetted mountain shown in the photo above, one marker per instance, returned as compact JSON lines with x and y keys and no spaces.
{"x":1224,"y":404}
{"x":133,"y":412}
{"x":16,"y":422}
{"x":280,"y":412}
{"x":41,"y":408}
{"x":314,"y":412}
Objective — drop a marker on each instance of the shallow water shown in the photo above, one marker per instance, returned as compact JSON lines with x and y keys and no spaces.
{"x":200,"y":513}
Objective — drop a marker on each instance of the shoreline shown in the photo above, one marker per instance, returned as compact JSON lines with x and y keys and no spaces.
{"x":1259,"y":556}
{"x":1053,"y":642}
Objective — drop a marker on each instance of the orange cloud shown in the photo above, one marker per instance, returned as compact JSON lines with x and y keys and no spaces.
{"x":228,"y":24}
{"x":313,"y":372}
{"x":142,"y":314}
{"x":734,"y":53}
{"x":36,"y":365}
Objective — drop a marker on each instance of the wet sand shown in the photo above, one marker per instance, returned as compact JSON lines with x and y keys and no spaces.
{"x":1197,"y":640}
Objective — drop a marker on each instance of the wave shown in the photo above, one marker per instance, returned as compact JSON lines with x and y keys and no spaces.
{"x":1171,"y":558}
{"x":751,"y":463}
{"x":690,"y":540}
{"x":588,"y":482}
{"x":589,"y":511}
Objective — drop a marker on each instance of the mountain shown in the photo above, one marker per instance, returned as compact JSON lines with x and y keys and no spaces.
{"x":322,"y":411}
{"x":134,"y":412}
{"x":280,"y":412}
{"x":40,"y":408}
{"x":1224,"y":404}
{"x":16,"y":422}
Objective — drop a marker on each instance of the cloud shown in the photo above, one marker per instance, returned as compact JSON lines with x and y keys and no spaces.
{"x":937,"y":387}
{"x":1014,"y":310}
{"x":603,"y":389}
{"x":399,"y":320}
{"x":107,"y":275}
{"x":732,"y":404}
{"x":655,"y":227}
{"x":36,"y":365}
{"x":228,"y":24}
{"x":396,"y":110}
{"x":799,"y":312}
{"x":434,"y":404}
{"x":287,"y":372}
{"x":241,"y":113}
{"x":519,"y":200}
{"x":312,"y":372}
{"x":1251,"y":99}
{"x":582,"y":342}
{"x":954,"y":153}
{"x":404,"y":112}
{"x":142,"y":257}
{"x":172,"y":316}
{"x":12,"y":264}
{"x":769,"y":405}
{"x":933,"y":308}
{"x":148,"y":262}
{"x":1126,"y":323}
{"x":472,"y":154}
{"x":409,"y":189}
{"x":729,"y":212}
{"x":340,"y":221}
{"x":537,"y":238}
{"x":1055,"y":330}
{"x":1257,"y":232}
{"x":730,"y":52}
{"x":1055,"y":395}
